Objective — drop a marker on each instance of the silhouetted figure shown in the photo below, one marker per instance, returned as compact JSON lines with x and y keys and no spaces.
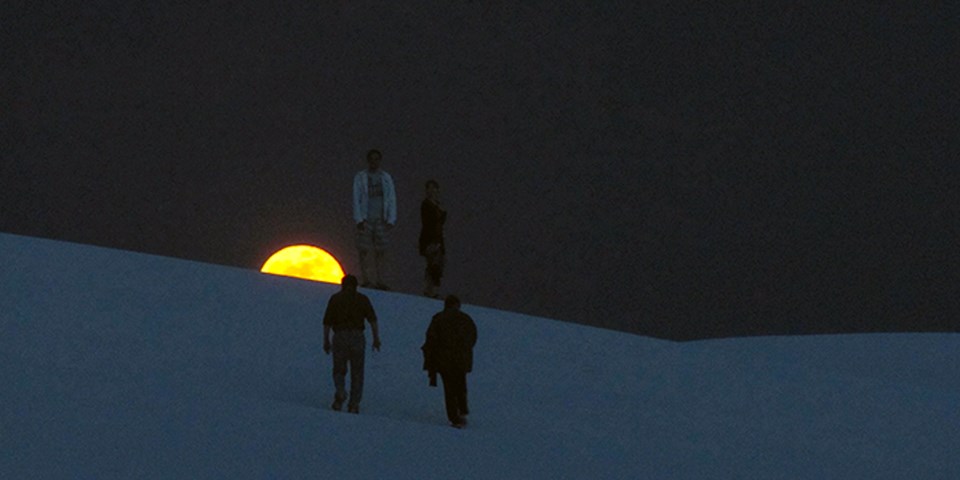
{"x":375,"y":213}
{"x":448,"y":350}
{"x":345,"y":315}
{"x":432,"y":247}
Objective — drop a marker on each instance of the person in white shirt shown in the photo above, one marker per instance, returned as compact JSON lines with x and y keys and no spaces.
{"x":375,"y":213}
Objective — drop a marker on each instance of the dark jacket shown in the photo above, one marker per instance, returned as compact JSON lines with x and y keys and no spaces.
{"x":347,"y":310}
{"x":432,"y":219}
{"x":450,"y":340}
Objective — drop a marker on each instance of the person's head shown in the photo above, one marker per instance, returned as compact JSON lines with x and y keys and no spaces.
{"x":373,"y":159}
{"x":433,"y":189}
{"x":349,"y":283}
{"x":451,"y":302}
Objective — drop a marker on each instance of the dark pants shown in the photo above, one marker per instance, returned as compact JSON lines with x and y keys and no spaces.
{"x":455,"y":394}
{"x":348,"y":350}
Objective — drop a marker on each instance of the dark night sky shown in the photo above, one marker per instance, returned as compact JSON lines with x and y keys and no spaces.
{"x":678,"y":171}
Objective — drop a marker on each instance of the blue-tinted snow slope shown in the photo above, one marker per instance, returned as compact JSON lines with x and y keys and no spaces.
{"x":122,"y":365}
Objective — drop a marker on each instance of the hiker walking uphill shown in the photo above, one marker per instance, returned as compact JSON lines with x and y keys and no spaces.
{"x":345,"y":315}
{"x":448,"y":350}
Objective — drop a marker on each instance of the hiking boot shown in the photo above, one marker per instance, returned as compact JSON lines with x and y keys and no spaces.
{"x":337,"y":405}
{"x":353,"y":408}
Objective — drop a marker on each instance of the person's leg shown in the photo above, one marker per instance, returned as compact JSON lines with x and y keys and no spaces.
{"x":434,"y":269}
{"x":380,"y":265}
{"x":440,"y":261}
{"x":365,"y":250}
{"x":428,"y":288}
{"x":380,"y":242}
{"x":449,"y":397}
{"x":462,"y":398}
{"x":365,"y":268}
{"x":357,"y":351}
{"x":340,"y":358}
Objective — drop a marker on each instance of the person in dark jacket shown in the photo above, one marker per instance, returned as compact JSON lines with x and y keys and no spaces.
{"x":345,"y":315}
{"x":448,"y":350}
{"x":432,"y":248}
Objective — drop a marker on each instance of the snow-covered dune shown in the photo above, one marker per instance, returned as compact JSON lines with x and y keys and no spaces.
{"x":122,"y":365}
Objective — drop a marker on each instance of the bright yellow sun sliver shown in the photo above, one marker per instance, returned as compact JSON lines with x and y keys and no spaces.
{"x":304,"y":261}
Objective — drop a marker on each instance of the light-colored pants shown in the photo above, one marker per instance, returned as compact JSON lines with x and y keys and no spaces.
{"x":372,"y":244}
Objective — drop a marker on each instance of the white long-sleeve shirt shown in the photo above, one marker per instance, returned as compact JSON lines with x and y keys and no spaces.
{"x":361,"y":198}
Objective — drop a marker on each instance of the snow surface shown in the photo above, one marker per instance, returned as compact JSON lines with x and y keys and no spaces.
{"x":123,"y":365}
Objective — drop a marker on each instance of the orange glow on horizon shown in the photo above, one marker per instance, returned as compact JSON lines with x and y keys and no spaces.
{"x":304,"y":261}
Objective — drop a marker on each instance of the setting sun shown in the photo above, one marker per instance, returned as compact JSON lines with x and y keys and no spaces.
{"x":304,"y":261}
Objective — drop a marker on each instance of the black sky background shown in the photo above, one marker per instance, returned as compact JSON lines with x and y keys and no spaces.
{"x":677,"y":170}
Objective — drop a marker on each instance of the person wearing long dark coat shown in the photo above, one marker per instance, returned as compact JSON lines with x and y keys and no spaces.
{"x":448,"y":350}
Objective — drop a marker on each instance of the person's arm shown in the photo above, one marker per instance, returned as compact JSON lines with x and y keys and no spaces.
{"x":429,"y":362}
{"x":390,"y":199}
{"x":359,"y":213}
{"x":471,"y":332}
{"x":328,"y":315}
{"x":372,"y":318}
{"x":376,"y":335}
{"x":326,"y":339}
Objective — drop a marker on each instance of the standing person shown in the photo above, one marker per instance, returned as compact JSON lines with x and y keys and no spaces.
{"x":432,"y":218}
{"x":448,"y":351}
{"x":375,"y":213}
{"x":346,"y":312}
